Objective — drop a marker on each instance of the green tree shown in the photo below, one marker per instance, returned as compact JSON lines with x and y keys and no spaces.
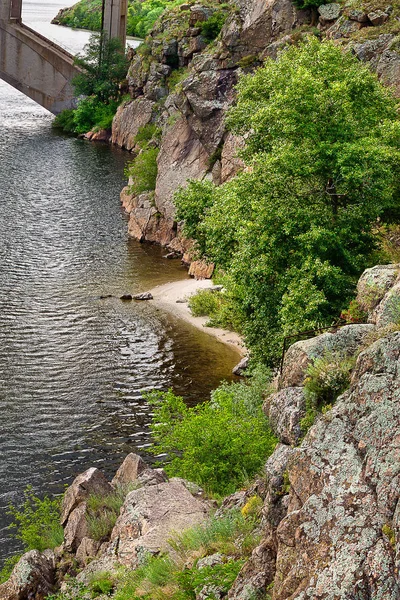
{"x":104,"y":66}
{"x":293,"y":231}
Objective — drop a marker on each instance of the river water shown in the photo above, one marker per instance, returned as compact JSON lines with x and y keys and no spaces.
{"x":72,"y":366}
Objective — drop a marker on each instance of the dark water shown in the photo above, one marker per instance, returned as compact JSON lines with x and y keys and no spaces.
{"x":72,"y":366}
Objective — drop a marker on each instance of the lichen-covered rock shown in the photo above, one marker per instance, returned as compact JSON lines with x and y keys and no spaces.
{"x":87,"y":550}
{"x":33,"y":577}
{"x":150,"y":515}
{"x":88,"y":483}
{"x":377,"y":17}
{"x":388,"y":309}
{"x":284,"y":410}
{"x":329,"y":12}
{"x":373,"y":285}
{"x":346,"y":340}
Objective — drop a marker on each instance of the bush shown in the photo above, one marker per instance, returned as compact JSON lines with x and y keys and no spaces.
{"x":218,"y":444}
{"x":143,"y":171}
{"x":37,"y":522}
{"x":204,"y":303}
{"x":91,"y":114}
{"x":211,"y":28}
{"x":327,"y":378}
{"x":354,"y":314}
{"x":65,"y":121}
{"x":147,"y":133}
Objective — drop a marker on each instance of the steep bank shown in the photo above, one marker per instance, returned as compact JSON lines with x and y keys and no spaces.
{"x":183,"y":83}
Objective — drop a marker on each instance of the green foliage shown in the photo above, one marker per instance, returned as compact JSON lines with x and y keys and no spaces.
{"x":8,"y":567}
{"x":37,"y":522}
{"x":102,"y":583}
{"x":211,"y":28}
{"x":143,"y":171}
{"x":103,"y":512}
{"x":104,"y":65}
{"x":232,"y":534}
{"x":354,"y":314}
{"x":204,"y":303}
{"x":176,"y":77}
{"x":143,"y":15}
{"x":192,"y":204}
{"x":65,"y":121}
{"x":217,"y":577}
{"x":327,"y":378}
{"x":147,"y":133}
{"x":217,"y":444}
{"x":294,"y":231}
{"x":91,"y":114}
{"x":85,"y":14}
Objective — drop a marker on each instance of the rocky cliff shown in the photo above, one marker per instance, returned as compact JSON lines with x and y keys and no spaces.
{"x":182,"y":82}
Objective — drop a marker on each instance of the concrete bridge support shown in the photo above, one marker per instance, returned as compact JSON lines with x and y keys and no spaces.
{"x":36,"y":66}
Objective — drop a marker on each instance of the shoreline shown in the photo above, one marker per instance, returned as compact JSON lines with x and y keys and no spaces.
{"x":172,"y":298}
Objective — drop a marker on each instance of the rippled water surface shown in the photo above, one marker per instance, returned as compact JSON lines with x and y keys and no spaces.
{"x":72,"y":366}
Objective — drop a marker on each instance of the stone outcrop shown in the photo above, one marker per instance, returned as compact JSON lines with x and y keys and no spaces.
{"x":191,"y":114}
{"x":33,"y":578}
{"x":148,"y":518}
{"x":345,"y":340}
{"x":331,"y":505}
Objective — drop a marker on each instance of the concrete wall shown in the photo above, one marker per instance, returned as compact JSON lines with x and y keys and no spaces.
{"x":36,"y":67}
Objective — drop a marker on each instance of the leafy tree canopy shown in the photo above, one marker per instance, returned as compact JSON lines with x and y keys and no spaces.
{"x":293,"y":231}
{"x":104,"y":65}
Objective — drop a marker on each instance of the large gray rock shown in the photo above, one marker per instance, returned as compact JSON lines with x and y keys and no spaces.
{"x":148,"y":518}
{"x":345,"y":341}
{"x":388,"y":310}
{"x":76,"y":528}
{"x":329,"y":12}
{"x":284,"y":410}
{"x":129,"y":471}
{"x":338,"y":537}
{"x":33,"y":577}
{"x":88,"y":483}
{"x":373,"y":285}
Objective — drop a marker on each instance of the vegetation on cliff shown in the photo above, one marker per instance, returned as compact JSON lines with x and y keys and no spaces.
{"x":103,"y":65}
{"x":291,"y":234}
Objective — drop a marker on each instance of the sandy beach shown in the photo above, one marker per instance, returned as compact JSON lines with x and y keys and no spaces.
{"x":172,"y":297}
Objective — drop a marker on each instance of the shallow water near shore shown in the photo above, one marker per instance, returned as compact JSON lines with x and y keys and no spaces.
{"x":72,"y":365}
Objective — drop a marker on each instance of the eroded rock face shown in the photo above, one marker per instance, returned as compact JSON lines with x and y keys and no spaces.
{"x":33,"y":577}
{"x":284,"y":410}
{"x":345,"y":341}
{"x":344,"y":488}
{"x":335,"y":536}
{"x":149,"y":516}
{"x":130,"y":117}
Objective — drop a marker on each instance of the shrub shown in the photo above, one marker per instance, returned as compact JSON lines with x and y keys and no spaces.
{"x":102,"y":583}
{"x":37,"y":522}
{"x":103,"y":512}
{"x":65,"y":121}
{"x":354,"y":314}
{"x":143,"y":171}
{"x":211,"y":28}
{"x":204,"y":303}
{"x":327,"y":378}
{"x":147,"y":133}
{"x":217,"y":444}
